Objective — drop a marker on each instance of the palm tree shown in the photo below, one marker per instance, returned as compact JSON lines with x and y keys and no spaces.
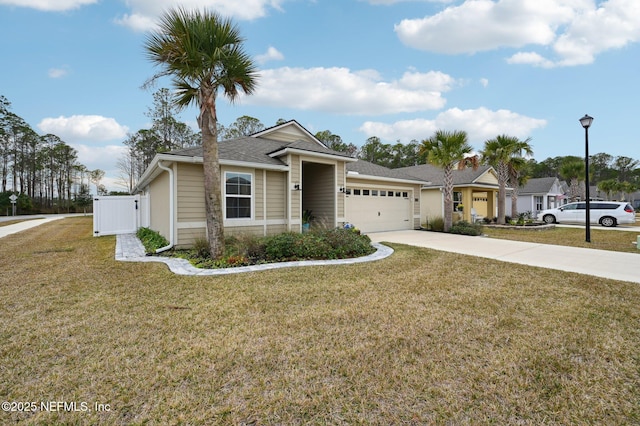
{"x":203,"y":53}
{"x":609,"y":186}
{"x":500,"y":153}
{"x":572,"y":170}
{"x":448,"y":150}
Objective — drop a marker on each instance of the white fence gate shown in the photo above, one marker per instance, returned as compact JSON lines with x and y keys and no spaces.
{"x":119,"y":214}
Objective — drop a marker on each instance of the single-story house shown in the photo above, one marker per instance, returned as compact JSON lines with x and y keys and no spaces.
{"x":269,"y":179}
{"x":539,"y":194}
{"x":474,"y":192}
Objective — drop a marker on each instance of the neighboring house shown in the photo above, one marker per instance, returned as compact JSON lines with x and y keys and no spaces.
{"x":634,"y":199}
{"x":268,"y":180}
{"x":476,"y":190}
{"x":539,"y":194}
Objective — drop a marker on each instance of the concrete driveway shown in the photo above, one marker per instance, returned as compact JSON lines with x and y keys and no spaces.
{"x":600,"y":263}
{"x":26,"y":224}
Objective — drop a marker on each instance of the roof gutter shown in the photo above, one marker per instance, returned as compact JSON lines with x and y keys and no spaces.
{"x":171,"y":208}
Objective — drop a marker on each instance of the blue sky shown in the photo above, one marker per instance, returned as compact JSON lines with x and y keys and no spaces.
{"x":394,"y":69}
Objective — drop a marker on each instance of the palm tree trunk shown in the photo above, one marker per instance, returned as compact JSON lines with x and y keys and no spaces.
{"x":212,"y":180}
{"x":448,"y":197}
{"x":503,"y":177}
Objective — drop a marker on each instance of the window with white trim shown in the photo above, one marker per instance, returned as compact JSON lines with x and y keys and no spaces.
{"x":457,"y":200}
{"x":538,"y":201}
{"x":237,"y":195}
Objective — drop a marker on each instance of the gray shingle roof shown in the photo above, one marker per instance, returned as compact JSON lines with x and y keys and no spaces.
{"x":434,"y":174}
{"x":538,"y":185}
{"x":366,"y":168}
{"x":256,"y":150}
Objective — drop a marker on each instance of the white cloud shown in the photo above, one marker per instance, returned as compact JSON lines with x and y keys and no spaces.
{"x":49,"y":5}
{"x":480,"y":124}
{"x":342,"y":91}
{"x":575,"y":30}
{"x":99,"y":157}
{"x":530,"y":58}
{"x":58,"y":72}
{"x":390,"y":2}
{"x":484,"y":82}
{"x":272,"y":54}
{"x":137,"y":22}
{"x":83,"y":128}
{"x":145,"y":12}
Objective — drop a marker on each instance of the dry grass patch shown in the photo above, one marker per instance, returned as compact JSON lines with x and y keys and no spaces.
{"x":423,"y":337}
{"x":600,"y":239}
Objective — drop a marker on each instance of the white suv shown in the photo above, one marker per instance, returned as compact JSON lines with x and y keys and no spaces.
{"x":606,"y":213}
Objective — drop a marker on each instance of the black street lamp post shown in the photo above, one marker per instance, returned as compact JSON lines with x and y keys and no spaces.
{"x":586,"y":123}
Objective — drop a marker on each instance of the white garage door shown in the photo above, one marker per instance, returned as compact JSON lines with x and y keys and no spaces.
{"x":374,"y":210}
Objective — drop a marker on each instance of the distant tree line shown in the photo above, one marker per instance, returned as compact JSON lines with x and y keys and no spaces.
{"x":42,"y":170}
{"x":166,"y":134}
{"x":614,"y":176}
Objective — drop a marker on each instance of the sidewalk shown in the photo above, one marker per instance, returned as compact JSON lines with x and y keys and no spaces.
{"x":601,"y":263}
{"x":27,"y":224}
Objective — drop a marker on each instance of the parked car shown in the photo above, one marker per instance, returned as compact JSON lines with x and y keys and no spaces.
{"x":606,"y":213}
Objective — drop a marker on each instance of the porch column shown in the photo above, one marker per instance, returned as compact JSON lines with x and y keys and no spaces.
{"x":491,"y":203}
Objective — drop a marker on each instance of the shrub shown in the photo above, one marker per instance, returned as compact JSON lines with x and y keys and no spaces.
{"x":436,"y":224}
{"x":243,"y":250}
{"x":295,"y":246}
{"x":465,"y":228}
{"x":201,"y":248}
{"x":151,"y":240}
{"x":345,"y":243}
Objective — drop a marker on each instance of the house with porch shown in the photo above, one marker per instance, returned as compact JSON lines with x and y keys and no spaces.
{"x":269,"y":179}
{"x":539,"y":194}
{"x":474,"y":192}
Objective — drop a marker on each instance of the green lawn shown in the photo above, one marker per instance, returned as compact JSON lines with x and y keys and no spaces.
{"x":422,"y":337}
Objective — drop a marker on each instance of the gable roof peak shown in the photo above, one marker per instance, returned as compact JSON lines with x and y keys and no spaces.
{"x":293,"y":128}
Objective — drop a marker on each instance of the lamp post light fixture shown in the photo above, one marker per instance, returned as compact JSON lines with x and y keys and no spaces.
{"x":586,"y":123}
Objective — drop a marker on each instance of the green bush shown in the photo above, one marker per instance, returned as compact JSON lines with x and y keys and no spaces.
{"x":295,"y":246}
{"x":151,"y":240}
{"x":345,"y":243}
{"x":465,"y":228}
{"x":244,"y":250}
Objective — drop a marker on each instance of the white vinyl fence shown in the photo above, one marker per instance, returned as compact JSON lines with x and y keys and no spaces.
{"x":119,"y":214}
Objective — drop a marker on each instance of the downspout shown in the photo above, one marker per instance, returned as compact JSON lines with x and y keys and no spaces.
{"x":171,"y":208}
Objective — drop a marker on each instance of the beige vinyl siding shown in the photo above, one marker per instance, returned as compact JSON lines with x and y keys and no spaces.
{"x":318,"y":192}
{"x":188,"y":236}
{"x":258,"y":194}
{"x":276,"y":195}
{"x":295,"y":165}
{"x":191,"y":205}
{"x":488,"y":178}
{"x":159,"y":205}
{"x":288,"y":134}
{"x":431,"y":204}
{"x":340,"y":175}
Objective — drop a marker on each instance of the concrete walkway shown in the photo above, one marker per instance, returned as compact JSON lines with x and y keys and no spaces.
{"x":601,"y":263}
{"x":27,"y":224}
